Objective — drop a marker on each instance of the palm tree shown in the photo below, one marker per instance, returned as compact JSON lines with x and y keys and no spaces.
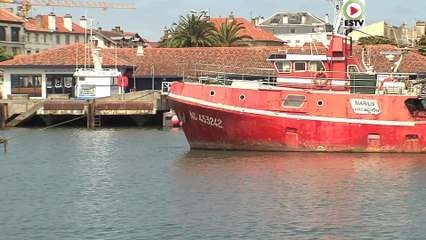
{"x":192,"y":31}
{"x":230,"y":33}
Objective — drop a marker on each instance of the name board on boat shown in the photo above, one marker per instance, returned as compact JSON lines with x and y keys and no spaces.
{"x":365,"y":106}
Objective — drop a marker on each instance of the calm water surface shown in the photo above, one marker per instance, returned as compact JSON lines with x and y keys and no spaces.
{"x":134,"y":183}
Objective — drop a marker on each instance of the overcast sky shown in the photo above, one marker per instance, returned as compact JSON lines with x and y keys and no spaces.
{"x":151,"y":16}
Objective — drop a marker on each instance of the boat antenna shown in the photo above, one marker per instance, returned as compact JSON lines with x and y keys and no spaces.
{"x":338,"y":16}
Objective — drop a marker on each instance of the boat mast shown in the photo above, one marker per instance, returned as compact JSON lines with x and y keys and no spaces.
{"x":338,"y":16}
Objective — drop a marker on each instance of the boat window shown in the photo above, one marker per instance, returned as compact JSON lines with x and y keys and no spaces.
{"x":353,"y":69}
{"x":295,"y":101}
{"x":299,"y":66}
{"x":283,"y":66}
{"x":315,"y":66}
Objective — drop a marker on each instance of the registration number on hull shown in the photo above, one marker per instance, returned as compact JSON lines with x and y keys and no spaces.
{"x":208,"y":120}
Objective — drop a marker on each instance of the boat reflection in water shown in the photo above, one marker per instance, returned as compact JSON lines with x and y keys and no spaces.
{"x":312,"y":195}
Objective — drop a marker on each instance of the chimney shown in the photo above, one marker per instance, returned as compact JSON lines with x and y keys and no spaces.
{"x":303,"y":19}
{"x":37,"y":20}
{"x":83,"y":22}
{"x":68,"y":22}
{"x":231,"y":16}
{"x":51,"y":19}
{"x":116,"y":29}
{"x":140,"y":51}
{"x":327,"y":18}
{"x":285,"y":19}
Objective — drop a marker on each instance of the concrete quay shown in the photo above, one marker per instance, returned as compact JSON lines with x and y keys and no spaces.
{"x":133,"y":108}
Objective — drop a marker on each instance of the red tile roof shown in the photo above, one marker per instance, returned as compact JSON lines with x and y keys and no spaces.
{"x":258,"y":34}
{"x":412,"y":61}
{"x":6,"y":16}
{"x":178,"y":61}
{"x":31,"y":25}
{"x":70,"y":55}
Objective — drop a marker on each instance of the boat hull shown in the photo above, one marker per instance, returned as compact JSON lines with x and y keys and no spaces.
{"x":221,"y":127}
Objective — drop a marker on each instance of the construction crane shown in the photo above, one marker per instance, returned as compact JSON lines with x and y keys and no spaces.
{"x":27,"y":4}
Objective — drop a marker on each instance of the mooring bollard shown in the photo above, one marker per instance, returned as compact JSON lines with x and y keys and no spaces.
{"x":4,"y":141}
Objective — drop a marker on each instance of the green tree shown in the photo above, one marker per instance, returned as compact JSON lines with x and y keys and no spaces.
{"x":229,"y":34}
{"x":192,"y":31}
{"x":374,"y":40}
{"x":422,"y":45}
{"x":4,"y":55}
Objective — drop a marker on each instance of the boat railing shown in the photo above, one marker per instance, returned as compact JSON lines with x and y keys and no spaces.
{"x":359,"y":82}
{"x":220,"y":74}
{"x":354,"y":82}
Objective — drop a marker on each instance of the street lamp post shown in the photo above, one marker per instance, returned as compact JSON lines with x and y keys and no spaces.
{"x":152,"y":76}
{"x":134,"y":78}
{"x":139,"y":52}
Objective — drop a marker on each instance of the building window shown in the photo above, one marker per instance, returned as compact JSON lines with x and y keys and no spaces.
{"x":2,"y":33}
{"x":26,"y":84}
{"x":14,"y":50}
{"x":67,"y":39}
{"x":15,"y":34}
{"x":57,"y":83}
{"x":44,"y":38}
{"x":28,"y":37}
{"x":28,"y":52}
{"x":77,"y":39}
{"x":58,"y":39}
{"x":292,"y":30}
{"x":36,"y":38}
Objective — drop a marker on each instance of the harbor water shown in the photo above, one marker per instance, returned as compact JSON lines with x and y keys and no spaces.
{"x":145,"y":183}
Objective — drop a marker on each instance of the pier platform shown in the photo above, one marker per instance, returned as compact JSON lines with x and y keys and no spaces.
{"x":139,"y":107}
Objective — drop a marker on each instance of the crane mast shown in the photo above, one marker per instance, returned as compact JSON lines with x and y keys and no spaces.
{"x":27,"y":4}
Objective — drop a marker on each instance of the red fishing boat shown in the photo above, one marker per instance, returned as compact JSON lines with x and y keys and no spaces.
{"x":318,"y":103}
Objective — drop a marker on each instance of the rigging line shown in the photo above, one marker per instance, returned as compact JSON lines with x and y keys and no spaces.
{"x":58,"y":124}
{"x":133,"y":99}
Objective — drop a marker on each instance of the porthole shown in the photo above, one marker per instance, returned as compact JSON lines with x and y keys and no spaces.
{"x":320,"y":103}
{"x":212,"y":93}
{"x":242,"y":97}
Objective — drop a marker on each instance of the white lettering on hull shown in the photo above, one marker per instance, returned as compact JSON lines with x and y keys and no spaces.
{"x":211,"y":121}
